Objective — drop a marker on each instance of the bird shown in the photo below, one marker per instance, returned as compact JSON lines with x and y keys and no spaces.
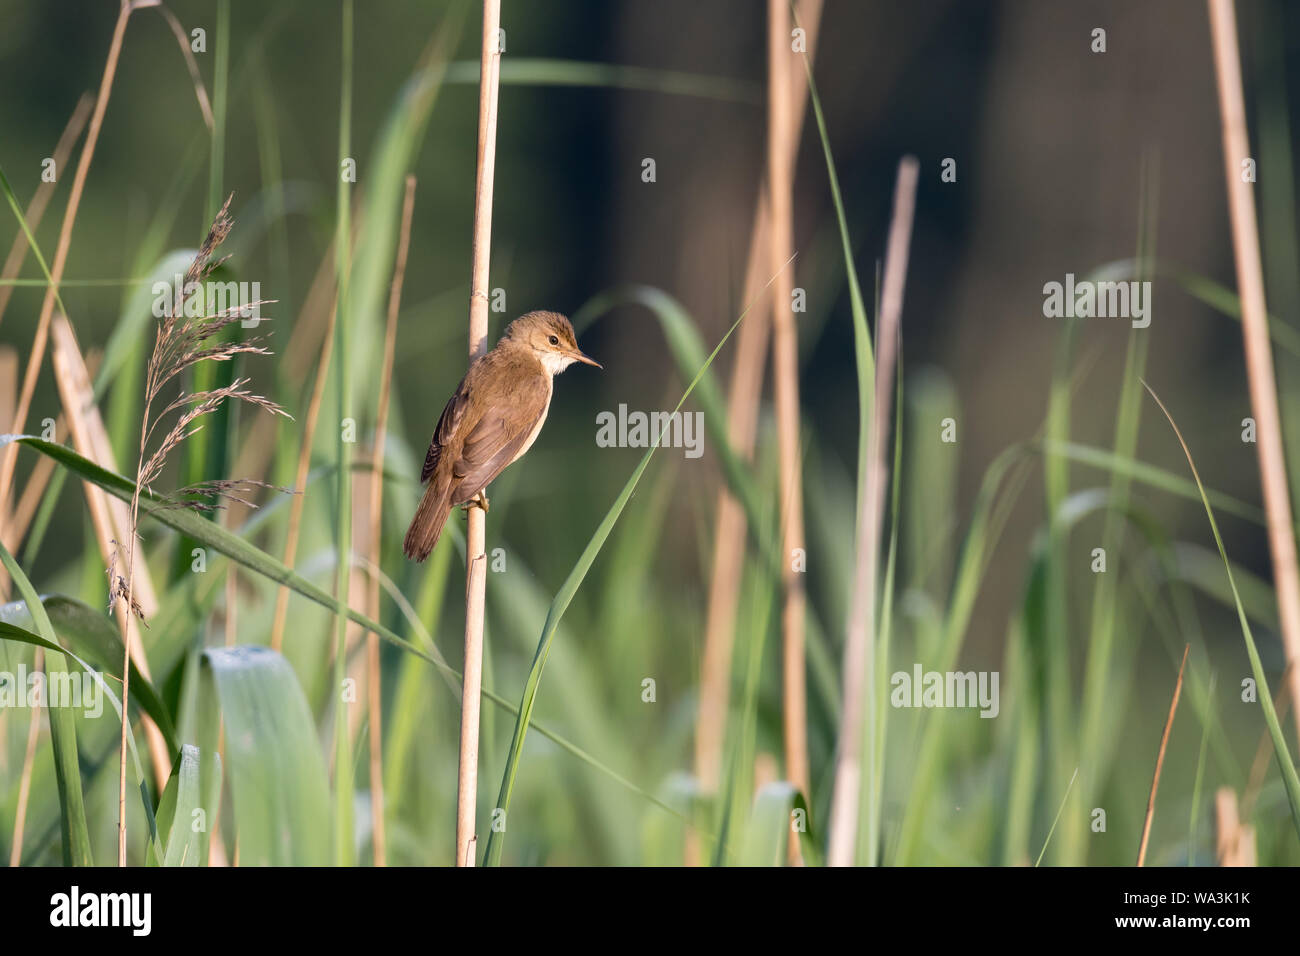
{"x":494,"y":416}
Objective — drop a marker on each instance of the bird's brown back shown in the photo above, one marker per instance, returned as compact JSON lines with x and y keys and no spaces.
{"x":487,"y":421}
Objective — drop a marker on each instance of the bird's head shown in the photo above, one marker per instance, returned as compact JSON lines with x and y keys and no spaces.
{"x":550,"y":336}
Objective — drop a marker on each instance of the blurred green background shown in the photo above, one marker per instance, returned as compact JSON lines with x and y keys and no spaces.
{"x":1057,"y":148}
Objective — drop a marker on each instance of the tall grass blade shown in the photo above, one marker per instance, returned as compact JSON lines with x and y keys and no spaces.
{"x":561,"y":603}
{"x":89,"y":635}
{"x":1285,"y":764}
{"x":343,"y":770}
{"x":1057,"y":819}
{"x":180,"y":808}
{"x":779,"y":811}
{"x":277,"y":774}
{"x":13,"y":632}
{"x":254,"y":559}
{"x":63,"y":728}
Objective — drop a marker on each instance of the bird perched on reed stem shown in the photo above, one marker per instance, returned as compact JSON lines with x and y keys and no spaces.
{"x":494,"y":417}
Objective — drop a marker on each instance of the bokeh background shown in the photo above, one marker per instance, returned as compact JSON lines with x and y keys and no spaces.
{"x":1058,"y":151}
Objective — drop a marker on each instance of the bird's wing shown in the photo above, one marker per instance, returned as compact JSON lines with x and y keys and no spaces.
{"x":496,"y":439}
{"x":448,"y":422}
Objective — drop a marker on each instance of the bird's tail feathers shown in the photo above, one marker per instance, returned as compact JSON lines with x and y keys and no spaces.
{"x":430,"y":517}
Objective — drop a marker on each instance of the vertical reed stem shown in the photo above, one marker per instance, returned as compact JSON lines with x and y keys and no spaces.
{"x":25,"y":784}
{"x":343,"y":781}
{"x":1160,"y":760}
{"x":373,"y":701}
{"x":476,"y":535}
{"x":859,"y":647}
{"x":785,"y":373}
{"x":9,"y":457}
{"x":730,"y":523}
{"x":1254,"y":330}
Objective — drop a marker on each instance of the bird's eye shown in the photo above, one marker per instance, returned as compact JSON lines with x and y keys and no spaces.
{"x":554,"y":340}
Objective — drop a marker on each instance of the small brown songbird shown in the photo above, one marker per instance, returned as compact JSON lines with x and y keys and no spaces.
{"x":492,"y":419}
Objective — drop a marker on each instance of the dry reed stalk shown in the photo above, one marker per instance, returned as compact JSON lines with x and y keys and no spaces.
{"x":90,"y":439}
{"x":191,"y":64}
{"x":8,"y":382}
{"x":785,"y":373}
{"x":8,"y":457}
{"x":299,"y":501}
{"x":230,"y":619}
{"x":30,"y":500}
{"x":1160,"y":761}
{"x":358,"y":594}
{"x":1254,"y":330}
{"x":859,"y":654}
{"x":730,"y":525}
{"x":308,"y":334}
{"x":1234,"y":842}
{"x":373,"y":700}
{"x":314,"y":320}
{"x":476,"y":533}
{"x":314,"y":324}
{"x":36,"y":209}
{"x":109,"y":516}
{"x":8,"y":402}
{"x":10,"y":532}
{"x":29,"y":759}
{"x":181,"y":342}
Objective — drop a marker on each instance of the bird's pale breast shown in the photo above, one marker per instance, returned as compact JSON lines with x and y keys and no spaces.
{"x":541,"y":420}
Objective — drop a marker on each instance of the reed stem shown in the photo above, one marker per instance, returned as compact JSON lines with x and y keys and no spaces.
{"x":373,"y":700}
{"x":476,"y":535}
{"x":1254,"y":330}
{"x":859,"y":648}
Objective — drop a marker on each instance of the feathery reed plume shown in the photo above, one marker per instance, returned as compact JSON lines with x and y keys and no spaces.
{"x":476,"y":532}
{"x":180,"y":342}
{"x":1254,"y":330}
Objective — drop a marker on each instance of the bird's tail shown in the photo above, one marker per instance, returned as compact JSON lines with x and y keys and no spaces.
{"x":430,"y":516}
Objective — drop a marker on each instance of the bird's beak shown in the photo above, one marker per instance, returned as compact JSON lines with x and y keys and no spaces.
{"x":584,"y":358}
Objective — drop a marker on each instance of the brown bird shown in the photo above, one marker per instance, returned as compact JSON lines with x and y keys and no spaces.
{"x":492,"y":419}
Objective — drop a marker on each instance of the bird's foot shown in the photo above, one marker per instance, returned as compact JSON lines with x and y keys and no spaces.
{"x":480,"y":500}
